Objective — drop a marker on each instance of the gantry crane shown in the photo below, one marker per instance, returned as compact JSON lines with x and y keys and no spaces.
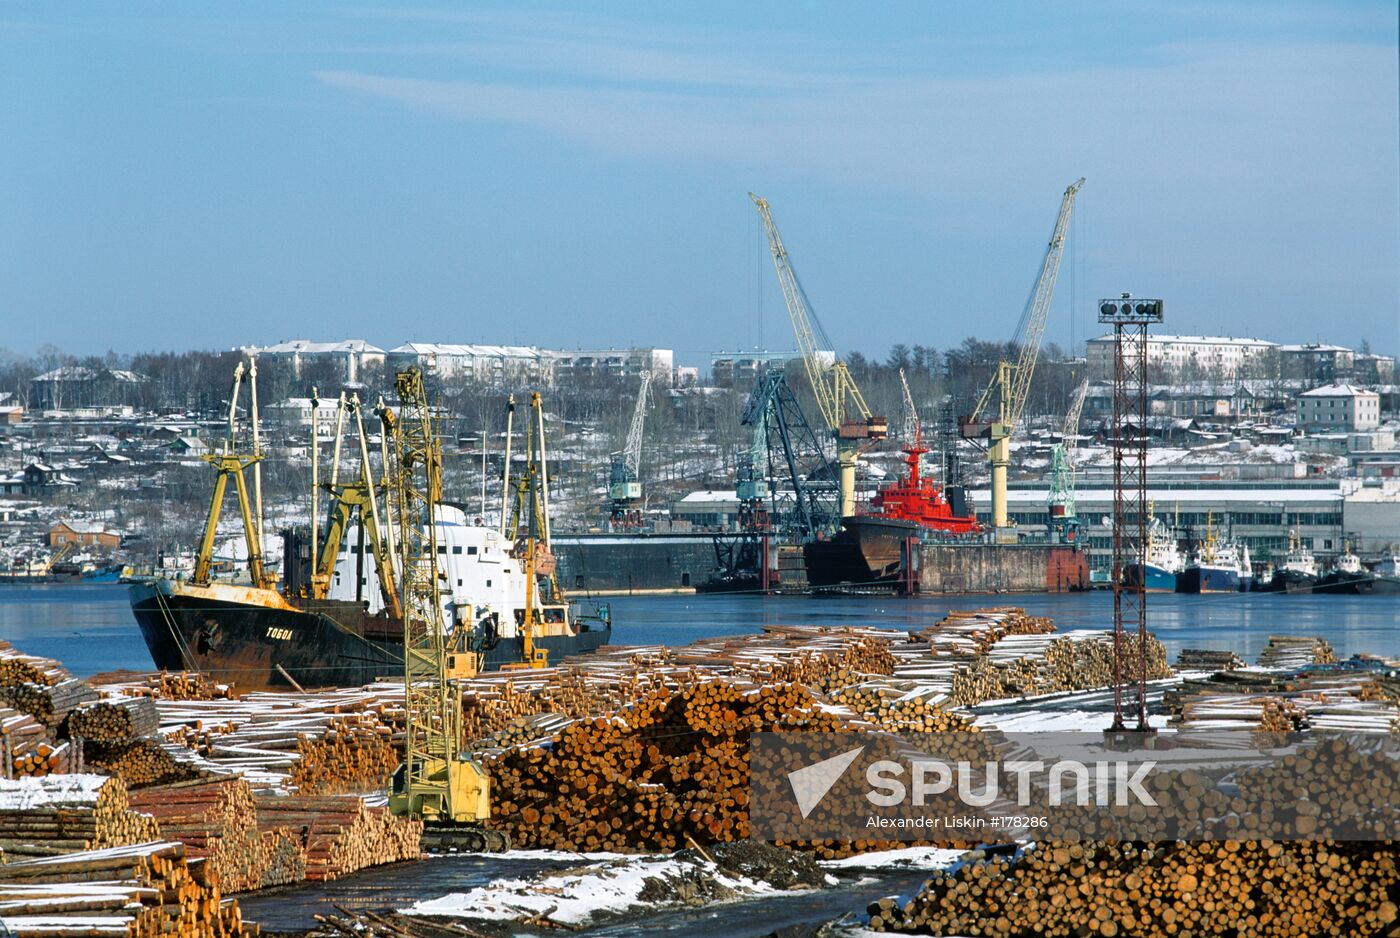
{"x":999,"y":409}
{"x":842,"y":406}
{"x":1064,"y":513}
{"x":624,"y":478}
{"x":437,"y":782}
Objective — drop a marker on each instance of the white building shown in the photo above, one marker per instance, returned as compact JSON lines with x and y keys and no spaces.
{"x":1338,"y":408}
{"x":295,"y":412}
{"x":355,"y":354}
{"x":1217,"y":356}
{"x":495,"y":365}
{"x":586,"y":364}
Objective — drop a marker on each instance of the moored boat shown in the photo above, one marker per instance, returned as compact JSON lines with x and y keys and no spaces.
{"x":1216,"y":567}
{"x":869,"y":549}
{"x":1298,"y":572}
{"x":1164,"y":561}
{"x":1347,"y":575}
{"x":332,"y":618}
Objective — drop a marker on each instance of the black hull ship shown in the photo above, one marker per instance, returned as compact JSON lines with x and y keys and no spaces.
{"x":332,"y":619}
{"x":256,"y":639}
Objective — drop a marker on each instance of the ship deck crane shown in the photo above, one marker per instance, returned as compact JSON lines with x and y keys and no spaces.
{"x":999,"y":409}
{"x":1064,"y":513}
{"x":624,"y":477}
{"x":437,"y":781}
{"x":842,"y":406}
{"x":231,"y":463}
{"x":355,"y":504}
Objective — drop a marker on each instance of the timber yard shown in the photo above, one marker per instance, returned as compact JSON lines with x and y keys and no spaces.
{"x":1072,"y":614}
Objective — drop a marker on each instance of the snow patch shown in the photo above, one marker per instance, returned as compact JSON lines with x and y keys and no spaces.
{"x":922,"y":858}
{"x":584,"y":895}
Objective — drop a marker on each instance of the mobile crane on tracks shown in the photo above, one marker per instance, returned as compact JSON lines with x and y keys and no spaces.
{"x":438,"y":782}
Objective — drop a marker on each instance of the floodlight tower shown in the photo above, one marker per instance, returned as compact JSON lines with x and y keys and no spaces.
{"x":1130,"y":318}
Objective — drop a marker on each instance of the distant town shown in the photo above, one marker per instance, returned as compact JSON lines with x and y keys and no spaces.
{"x":100,"y":467}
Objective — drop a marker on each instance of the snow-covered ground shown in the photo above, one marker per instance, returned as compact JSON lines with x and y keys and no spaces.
{"x":584,"y":895}
{"x":910,"y":858}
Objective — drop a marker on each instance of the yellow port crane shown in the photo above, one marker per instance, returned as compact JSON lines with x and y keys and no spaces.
{"x":231,"y":463}
{"x":437,"y":781}
{"x":528,"y":530}
{"x":999,"y":408}
{"x":841,"y":404}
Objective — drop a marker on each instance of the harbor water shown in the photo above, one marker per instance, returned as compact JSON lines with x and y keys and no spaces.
{"x":90,"y":628}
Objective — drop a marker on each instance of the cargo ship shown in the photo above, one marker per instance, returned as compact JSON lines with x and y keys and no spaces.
{"x":265,"y":638}
{"x":869,"y":550}
{"x":333,"y":620}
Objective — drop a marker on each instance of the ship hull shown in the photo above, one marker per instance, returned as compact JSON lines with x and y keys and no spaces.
{"x":867,"y":552}
{"x":1154,"y":579}
{"x":1351,"y":584}
{"x":1292,"y":581}
{"x":1204,"y":579}
{"x":255,"y":640}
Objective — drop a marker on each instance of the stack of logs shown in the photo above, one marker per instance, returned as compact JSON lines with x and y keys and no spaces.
{"x":1241,"y":888}
{"x":26,"y":749}
{"x":669,"y":770}
{"x":976,"y":630}
{"x":1068,"y":664}
{"x":69,"y":813}
{"x":1203,"y":659}
{"x":181,"y":685}
{"x":897,"y":712}
{"x":217,"y":819}
{"x":50,"y":704}
{"x":145,"y":891}
{"x":1279,"y":715}
{"x":138,"y":762}
{"x":354,"y":754}
{"x":1295,"y":651}
{"x":18,"y":668}
{"x":340,"y":833}
{"x":112,"y":721}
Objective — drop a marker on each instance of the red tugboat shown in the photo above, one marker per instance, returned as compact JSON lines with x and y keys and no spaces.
{"x":868,"y":552}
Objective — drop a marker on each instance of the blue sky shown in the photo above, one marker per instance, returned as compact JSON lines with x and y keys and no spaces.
{"x":177,"y":175}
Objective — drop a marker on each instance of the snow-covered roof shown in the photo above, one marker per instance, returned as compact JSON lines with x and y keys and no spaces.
{"x":1336,"y":390}
{"x":1195,"y":340}
{"x":1313,"y":347}
{"x":468,"y":351}
{"x":82,"y":373}
{"x":85,"y":527}
{"x":307,"y":347}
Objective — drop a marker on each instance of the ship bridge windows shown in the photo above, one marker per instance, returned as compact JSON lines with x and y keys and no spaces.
{"x":456,"y":548}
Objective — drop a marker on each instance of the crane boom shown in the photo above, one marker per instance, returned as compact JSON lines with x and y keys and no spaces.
{"x":624,"y":476}
{"x":999,"y":409}
{"x":1071,"y":427}
{"x":842,"y":406}
{"x":913,"y":431}
{"x":633,"y":451}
